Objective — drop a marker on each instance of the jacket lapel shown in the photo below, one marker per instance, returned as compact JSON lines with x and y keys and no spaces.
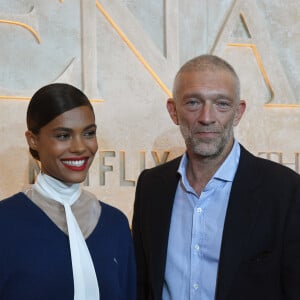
{"x":240,"y":216}
{"x":161,"y":211}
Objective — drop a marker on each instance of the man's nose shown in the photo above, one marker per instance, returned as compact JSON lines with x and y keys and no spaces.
{"x":206,"y":113}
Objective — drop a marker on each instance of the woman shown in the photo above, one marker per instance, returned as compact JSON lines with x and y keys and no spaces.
{"x":58,"y":241}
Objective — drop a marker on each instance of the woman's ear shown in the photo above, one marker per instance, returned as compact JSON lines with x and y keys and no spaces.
{"x":31,"y":139}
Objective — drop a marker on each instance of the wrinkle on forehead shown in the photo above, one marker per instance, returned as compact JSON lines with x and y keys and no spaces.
{"x":208,"y":82}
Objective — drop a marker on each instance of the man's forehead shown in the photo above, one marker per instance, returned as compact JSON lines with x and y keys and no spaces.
{"x":198,"y":76}
{"x":205,"y":81}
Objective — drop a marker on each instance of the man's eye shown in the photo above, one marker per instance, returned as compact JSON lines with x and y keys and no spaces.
{"x":223,"y":105}
{"x":193,"y":104}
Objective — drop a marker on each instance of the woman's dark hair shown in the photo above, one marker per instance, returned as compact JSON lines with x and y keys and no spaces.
{"x":51,"y":101}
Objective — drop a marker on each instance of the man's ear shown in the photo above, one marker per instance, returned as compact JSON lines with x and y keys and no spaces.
{"x":239,"y":112}
{"x":171,"y":106}
{"x":32,"y":139}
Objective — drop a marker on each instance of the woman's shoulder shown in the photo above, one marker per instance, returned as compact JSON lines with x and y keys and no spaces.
{"x":112,"y":210}
{"x":13,"y":201}
{"x":14,"y":210}
{"x":113,"y":215}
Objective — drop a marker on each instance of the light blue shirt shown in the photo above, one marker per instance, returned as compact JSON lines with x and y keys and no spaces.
{"x":196,"y":232}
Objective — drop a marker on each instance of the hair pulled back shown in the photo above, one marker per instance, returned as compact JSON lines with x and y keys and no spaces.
{"x":51,"y":101}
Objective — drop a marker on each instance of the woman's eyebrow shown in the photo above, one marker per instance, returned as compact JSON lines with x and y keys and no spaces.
{"x":70,"y":129}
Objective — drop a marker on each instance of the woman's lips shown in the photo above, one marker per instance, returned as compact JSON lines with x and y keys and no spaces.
{"x":75,"y":164}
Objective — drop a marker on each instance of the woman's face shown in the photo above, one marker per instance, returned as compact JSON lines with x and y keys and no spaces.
{"x":67,"y":145}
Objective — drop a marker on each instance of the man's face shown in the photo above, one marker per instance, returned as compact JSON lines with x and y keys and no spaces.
{"x":206,"y":108}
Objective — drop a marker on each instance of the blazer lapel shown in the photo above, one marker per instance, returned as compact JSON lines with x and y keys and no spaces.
{"x":161,"y":210}
{"x":240,"y":216}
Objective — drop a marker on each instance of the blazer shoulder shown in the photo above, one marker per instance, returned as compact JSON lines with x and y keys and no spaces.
{"x":169,"y":166}
{"x":258,"y":166}
{"x":164,"y":174}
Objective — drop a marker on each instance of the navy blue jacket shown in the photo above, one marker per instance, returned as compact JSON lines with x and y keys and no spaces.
{"x":35,"y":259}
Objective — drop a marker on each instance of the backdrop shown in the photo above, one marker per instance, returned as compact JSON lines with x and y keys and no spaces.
{"x":124,"y":55}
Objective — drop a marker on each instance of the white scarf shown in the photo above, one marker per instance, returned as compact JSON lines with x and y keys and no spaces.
{"x":84,"y":275}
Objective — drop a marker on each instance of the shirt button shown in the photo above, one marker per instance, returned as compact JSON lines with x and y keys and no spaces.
{"x":195,"y":286}
{"x":199,"y":210}
{"x":197,"y":247}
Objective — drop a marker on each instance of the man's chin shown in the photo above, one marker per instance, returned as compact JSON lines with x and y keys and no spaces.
{"x":205,"y":150}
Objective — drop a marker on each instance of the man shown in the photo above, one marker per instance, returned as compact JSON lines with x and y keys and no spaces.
{"x":218,"y":222}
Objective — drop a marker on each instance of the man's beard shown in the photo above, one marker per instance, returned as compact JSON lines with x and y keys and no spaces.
{"x":209,"y":147}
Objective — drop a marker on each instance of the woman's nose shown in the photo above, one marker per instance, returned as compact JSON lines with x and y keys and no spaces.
{"x":77,"y":145}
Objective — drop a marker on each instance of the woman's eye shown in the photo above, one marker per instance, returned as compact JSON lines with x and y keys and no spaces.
{"x":62,"y":136}
{"x":90,"y":133}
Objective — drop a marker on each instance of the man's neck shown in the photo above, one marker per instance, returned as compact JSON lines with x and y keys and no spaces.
{"x":201,"y":169}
